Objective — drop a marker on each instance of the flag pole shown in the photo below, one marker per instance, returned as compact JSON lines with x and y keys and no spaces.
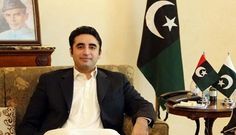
{"x":204,"y":100}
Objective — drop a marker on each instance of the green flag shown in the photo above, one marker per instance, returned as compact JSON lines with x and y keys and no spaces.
{"x":227,"y":81}
{"x":160,"y":55}
{"x":204,"y":74}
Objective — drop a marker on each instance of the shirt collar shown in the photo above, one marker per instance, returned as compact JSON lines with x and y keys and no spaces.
{"x":77,"y":73}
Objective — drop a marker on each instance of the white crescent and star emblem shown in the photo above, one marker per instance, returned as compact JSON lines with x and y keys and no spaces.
{"x":170,"y":23}
{"x":228,"y":78}
{"x":150,"y":15}
{"x":200,"y":72}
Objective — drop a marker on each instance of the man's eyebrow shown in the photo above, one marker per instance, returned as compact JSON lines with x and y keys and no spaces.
{"x":80,"y":44}
{"x":92,"y":44}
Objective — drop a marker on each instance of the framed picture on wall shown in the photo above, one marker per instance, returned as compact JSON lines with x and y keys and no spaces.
{"x":19,"y":23}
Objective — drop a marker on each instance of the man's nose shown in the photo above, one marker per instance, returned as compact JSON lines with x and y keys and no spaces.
{"x":86,"y":50}
{"x":12,"y":18}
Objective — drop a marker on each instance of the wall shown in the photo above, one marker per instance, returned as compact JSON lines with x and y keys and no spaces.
{"x":208,"y":26}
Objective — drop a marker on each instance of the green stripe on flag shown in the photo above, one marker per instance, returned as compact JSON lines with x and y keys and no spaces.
{"x":168,"y":74}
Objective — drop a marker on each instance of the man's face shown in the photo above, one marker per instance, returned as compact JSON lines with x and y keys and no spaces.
{"x":15,"y":18}
{"x":85,"y":52}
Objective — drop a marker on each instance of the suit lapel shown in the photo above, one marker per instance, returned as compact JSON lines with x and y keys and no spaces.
{"x":102,"y":85}
{"x":67,"y":86}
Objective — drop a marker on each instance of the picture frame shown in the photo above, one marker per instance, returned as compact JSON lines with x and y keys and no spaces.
{"x":19,"y":23}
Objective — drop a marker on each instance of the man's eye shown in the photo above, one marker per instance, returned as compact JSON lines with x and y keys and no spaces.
{"x":7,"y":15}
{"x":18,"y":14}
{"x":79,"y":46}
{"x":92,"y":47}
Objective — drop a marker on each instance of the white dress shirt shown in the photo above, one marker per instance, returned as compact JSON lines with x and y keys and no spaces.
{"x":85,"y":110}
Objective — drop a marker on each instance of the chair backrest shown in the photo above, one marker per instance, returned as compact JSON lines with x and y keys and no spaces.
{"x":20,"y":82}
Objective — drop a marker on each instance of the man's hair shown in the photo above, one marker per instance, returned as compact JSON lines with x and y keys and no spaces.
{"x":85,"y":30}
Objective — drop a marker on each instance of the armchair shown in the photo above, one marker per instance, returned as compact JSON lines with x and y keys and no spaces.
{"x":18,"y":83}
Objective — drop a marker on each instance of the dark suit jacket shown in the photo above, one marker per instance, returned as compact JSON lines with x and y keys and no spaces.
{"x":50,"y":104}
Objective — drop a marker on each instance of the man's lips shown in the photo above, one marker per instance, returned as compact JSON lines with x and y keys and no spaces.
{"x":85,"y":59}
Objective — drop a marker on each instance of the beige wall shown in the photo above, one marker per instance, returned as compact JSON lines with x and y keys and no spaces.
{"x":205,"y":25}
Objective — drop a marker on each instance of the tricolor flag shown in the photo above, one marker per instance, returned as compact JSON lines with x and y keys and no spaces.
{"x":227,"y":81}
{"x":160,"y":54}
{"x":204,"y":75}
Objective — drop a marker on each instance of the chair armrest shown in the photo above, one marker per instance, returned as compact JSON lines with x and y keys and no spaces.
{"x":159,"y":127}
{"x":128,"y":125}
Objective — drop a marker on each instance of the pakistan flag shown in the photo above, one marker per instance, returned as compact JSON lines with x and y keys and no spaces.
{"x":160,"y":54}
{"x":227,"y":82}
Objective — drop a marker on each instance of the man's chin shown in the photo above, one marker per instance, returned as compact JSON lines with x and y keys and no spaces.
{"x":87,"y":66}
{"x":14,"y":28}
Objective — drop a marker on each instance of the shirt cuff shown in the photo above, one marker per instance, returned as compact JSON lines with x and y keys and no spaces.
{"x":148,"y":120}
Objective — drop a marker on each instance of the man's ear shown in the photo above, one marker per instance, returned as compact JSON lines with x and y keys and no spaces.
{"x":100,"y":53}
{"x":71,"y":51}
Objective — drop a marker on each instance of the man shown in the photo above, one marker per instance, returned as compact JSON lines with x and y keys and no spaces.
{"x":85,"y":97}
{"x":14,"y":12}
